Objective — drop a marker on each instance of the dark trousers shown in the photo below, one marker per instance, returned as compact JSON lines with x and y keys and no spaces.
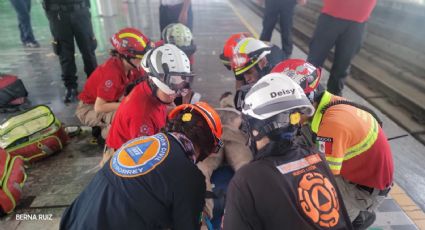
{"x":284,"y":10}
{"x":346,"y":36}
{"x":170,"y":14}
{"x":65,"y":26}
{"x":23,"y":9}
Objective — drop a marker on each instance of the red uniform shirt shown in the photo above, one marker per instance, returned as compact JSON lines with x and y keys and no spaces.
{"x":354,"y":144}
{"x":139,"y":114}
{"x":108,"y":82}
{"x":353,"y":10}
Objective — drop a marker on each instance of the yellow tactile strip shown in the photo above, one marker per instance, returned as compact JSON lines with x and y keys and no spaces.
{"x":409,"y":206}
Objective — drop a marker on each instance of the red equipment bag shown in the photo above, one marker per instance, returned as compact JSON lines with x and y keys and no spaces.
{"x":12,"y":179}
{"x":33,"y":134}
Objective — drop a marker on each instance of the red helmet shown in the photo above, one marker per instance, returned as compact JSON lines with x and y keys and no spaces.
{"x":230,"y":45}
{"x":131,"y":43}
{"x":208,"y":114}
{"x":302,"y":72}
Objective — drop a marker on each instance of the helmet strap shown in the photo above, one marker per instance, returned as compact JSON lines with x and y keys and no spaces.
{"x":154,"y":89}
{"x":128,"y":60}
{"x":114,"y":53}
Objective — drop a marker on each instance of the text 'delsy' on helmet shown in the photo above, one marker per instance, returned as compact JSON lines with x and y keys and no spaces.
{"x":274,"y":94}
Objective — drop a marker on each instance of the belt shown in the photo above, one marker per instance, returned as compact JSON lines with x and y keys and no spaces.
{"x":383,"y":192}
{"x":66,"y":7}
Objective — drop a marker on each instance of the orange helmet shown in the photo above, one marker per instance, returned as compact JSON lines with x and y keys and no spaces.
{"x":230,"y":45}
{"x":208,"y":114}
{"x":130,"y":43}
{"x":302,"y":72}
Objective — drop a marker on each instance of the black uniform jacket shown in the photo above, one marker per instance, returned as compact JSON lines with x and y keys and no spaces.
{"x":285,"y":187}
{"x":149,"y":183}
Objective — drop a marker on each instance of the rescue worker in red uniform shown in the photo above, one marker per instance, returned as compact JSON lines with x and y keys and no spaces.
{"x":152,"y":182}
{"x":105,"y":88}
{"x":286,"y":186}
{"x":356,"y":148}
{"x":249,"y":59}
{"x":143,"y":112}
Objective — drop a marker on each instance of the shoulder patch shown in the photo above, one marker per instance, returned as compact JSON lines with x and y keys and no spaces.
{"x":324,"y":144}
{"x":108,"y":83}
{"x":140,"y":156}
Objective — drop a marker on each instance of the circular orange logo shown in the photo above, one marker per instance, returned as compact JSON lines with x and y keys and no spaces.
{"x":318,"y":199}
{"x":139,"y":156}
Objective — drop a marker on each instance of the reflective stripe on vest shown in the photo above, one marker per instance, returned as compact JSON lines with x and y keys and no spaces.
{"x":366,"y":143}
{"x":317,"y":118}
{"x":335,"y":163}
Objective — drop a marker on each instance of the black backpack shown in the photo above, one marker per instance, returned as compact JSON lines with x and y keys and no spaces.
{"x":13,"y":93}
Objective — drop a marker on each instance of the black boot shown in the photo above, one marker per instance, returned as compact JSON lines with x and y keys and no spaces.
{"x":364,"y":220}
{"x":71,"y":95}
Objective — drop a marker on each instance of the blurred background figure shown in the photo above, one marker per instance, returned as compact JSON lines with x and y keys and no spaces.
{"x":284,"y":10}
{"x":173,"y":11}
{"x":341,"y":24}
{"x":23,"y":11}
{"x":69,"y":19}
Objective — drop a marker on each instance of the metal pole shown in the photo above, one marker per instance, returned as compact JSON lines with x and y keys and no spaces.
{"x":105,"y":8}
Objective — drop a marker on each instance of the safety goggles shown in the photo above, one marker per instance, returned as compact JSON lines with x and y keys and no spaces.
{"x":179,"y":83}
{"x":241,"y":60}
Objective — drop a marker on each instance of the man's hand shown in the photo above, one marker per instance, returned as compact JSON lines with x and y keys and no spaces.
{"x":183,"y":17}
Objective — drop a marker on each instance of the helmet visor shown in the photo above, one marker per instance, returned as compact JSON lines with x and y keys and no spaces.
{"x":179,"y":84}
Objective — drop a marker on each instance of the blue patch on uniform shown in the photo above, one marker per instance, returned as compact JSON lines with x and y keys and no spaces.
{"x":137,"y":151}
{"x":139,"y":156}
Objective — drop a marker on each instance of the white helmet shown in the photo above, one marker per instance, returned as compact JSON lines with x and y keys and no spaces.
{"x":177,"y":34}
{"x":248,"y":52}
{"x":272,"y":107}
{"x":273,"y":94}
{"x":168,"y":68}
{"x":181,"y":36}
